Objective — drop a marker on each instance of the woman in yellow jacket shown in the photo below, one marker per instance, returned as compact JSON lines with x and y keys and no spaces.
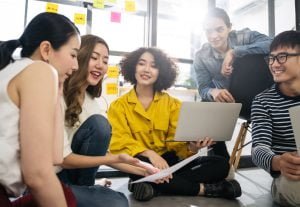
{"x":146,"y":117}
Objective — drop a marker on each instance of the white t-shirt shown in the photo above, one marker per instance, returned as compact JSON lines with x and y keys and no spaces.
{"x":90,"y":107}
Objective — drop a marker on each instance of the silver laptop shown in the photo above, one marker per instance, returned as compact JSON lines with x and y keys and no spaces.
{"x":198,"y":120}
{"x":295,"y":119}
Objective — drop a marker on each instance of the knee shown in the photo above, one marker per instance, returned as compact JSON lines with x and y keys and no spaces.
{"x":289,"y":191}
{"x":100,"y":125}
{"x":98,"y":196}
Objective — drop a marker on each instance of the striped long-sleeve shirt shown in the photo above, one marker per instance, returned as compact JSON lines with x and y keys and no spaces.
{"x":272,"y":132}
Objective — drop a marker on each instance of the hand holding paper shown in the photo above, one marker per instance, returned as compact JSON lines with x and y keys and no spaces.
{"x":169,"y":171}
{"x":294,"y":114}
{"x":150,"y":168}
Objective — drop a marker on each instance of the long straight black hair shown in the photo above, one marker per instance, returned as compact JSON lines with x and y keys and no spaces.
{"x":52,"y":27}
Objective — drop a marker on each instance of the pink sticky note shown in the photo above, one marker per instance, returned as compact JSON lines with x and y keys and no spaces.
{"x":115,"y":17}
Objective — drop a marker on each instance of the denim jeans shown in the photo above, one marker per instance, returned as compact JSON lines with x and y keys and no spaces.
{"x":92,"y":139}
{"x":98,"y":196}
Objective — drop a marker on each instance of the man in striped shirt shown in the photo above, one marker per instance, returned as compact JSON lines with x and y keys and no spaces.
{"x":274,"y":147}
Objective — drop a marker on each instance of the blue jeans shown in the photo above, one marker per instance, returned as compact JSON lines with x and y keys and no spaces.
{"x":98,"y":196}
{"x":91,"y":139}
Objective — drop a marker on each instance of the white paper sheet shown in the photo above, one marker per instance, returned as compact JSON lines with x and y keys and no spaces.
{"x":295,"y":119}
{"x":170,"y":170}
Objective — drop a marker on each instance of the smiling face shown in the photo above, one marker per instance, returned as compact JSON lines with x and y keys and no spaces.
{"x":288,"y":71}
{"x":146,"y":72}
{"x":64,"y":60}
{"x":217,"y":33}
{"x":98,"y":64}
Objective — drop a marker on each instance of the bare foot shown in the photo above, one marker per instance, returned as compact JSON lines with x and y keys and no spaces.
{"x":104,"y":182}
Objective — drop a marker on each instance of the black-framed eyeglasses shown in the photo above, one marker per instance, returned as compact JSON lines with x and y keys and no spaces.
{"x":280,"y":57}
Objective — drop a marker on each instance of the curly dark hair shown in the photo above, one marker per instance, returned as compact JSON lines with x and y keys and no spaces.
{"x":167,"y":67}
{"x":73,"y":84}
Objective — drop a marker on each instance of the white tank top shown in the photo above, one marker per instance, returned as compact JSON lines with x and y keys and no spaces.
{"x":10,"y":171}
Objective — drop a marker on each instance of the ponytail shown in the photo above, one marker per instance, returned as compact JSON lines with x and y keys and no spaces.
{"x":6,"y":50}
{"x":52,"y":27}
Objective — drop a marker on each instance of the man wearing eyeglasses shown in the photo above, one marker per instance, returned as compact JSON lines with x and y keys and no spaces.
{"x":273,"y":147}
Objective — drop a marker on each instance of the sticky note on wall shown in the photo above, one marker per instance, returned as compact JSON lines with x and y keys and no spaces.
{"x":98,"y":4}
{"x":79,"y":18}
{"x":130,"y":5}
{"x":115,"y":17}
{"x":111,"y":1}
{"x":111,"y":89}
{"x":51,"y":7}
{"x":112,"y":72}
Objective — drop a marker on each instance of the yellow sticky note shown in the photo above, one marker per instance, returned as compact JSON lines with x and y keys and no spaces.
{"x":130,"y":5}
{"x":113,"y":72}
{"x":111,"y":1}
{"x":51,"y":7}
{"x":79,"y":18}
{"x":111,"y":89}
{"x":98,"y":4}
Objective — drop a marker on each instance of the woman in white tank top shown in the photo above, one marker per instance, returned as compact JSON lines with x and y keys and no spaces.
{"x":30,"y":118}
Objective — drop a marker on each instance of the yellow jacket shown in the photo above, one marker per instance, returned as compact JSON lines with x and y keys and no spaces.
{"x":135,"y":130}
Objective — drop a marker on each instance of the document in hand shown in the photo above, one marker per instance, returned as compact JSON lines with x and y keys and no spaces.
{"x":170,"y":170}
{"x":295,"y":119}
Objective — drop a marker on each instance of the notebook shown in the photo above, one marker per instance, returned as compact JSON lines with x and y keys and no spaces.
{"x":295,"y":119}
{"x":198,"y":120}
